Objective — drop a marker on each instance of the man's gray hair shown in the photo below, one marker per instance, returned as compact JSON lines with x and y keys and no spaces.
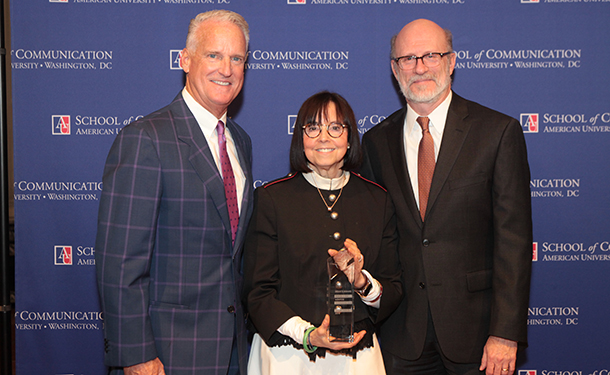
{"x":216,"y":15}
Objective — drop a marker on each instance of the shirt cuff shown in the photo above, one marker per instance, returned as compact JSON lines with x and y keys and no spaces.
{"x":295,"y":328}
{"x":373,"y":299}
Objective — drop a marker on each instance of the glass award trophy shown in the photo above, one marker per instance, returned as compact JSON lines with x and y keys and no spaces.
{"x":341,"y":297}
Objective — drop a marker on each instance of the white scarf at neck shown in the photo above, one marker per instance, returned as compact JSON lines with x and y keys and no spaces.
{"x":324,"y":183}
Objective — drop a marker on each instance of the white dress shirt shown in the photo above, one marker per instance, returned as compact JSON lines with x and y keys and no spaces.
{"x":208,"y":122}
{"x":413,"y":135}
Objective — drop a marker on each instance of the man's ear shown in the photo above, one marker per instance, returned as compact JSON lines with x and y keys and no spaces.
{"x":453,"y":59}
{"x":394,"y":67}
{"x":185,"y":60}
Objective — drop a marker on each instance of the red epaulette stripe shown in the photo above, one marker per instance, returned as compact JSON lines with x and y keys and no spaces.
{"x":291,"y":175}
{"x":367,"y":180}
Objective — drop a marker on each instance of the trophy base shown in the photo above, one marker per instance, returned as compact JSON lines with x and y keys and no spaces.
{"x":338,"y":337}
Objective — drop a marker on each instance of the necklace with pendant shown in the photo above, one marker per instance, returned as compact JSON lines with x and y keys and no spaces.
{"x":333,"y":198}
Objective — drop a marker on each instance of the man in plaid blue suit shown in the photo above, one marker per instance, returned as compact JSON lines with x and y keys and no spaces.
{"x":168,"y":263}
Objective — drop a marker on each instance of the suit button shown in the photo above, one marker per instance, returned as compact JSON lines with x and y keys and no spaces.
{"x":422,"y":286}
{"x":231,"y":309}
{"x":426,"y":242}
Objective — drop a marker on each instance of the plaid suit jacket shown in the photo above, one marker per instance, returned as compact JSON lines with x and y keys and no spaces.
{"x":168,"y":276}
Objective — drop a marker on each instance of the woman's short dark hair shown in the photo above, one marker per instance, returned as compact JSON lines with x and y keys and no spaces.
{"x":312,"y":110}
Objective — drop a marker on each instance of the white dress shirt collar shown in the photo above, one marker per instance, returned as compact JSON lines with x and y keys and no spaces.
{"x":438,"y":118}
{"x":206,"y":120}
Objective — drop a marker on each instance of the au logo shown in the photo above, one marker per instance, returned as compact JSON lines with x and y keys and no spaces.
{"x":529,"y":122}
{"x":528,"y":2}
{"x":291,"y":120}
{"x":174,"y":59}
{"x":300,"y":2}
{"x":527,"y":372}
{"x":534,"y":251}
{"x":60,"y":124}
{"x":63,"y":255}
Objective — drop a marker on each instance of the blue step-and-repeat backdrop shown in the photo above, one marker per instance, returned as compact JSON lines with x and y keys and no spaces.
{"x":82,"y":69}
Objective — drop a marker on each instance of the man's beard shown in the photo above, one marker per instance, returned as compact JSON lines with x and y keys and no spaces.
{"x":442,"y":82}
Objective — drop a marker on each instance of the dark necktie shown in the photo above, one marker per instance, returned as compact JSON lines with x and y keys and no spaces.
{"x":228,"y":179}
{"x":425,"y":164}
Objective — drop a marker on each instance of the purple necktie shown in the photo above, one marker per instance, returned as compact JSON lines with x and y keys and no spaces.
{"x":425,"y":165}
{"x":228,"y":178}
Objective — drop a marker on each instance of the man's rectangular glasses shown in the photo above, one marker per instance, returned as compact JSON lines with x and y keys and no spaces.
{"x":430,"y":60}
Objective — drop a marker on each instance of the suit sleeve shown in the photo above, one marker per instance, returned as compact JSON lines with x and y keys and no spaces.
{"x":387,"y":269}
{"x":262,"y":270}
{"x":367,"y":169}
{"x":512,"y":237}
{"x":127,"y":221}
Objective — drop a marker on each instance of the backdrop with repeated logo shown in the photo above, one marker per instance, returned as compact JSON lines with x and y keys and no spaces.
{"x":82,"y":69}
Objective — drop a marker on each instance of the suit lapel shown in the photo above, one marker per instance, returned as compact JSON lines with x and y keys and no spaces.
{"x":456,"y":130}
{"x":399,"y":162}
{"x":200,"y":157}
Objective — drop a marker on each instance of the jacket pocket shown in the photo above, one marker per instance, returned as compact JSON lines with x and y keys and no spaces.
{"x":467,"y":181}
{"x":167,"y":306}
{"x":479,"y":280}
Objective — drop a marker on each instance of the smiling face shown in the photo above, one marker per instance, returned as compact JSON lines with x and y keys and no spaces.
{"x":215,"y":67}
{"x":324,"y":153}
{"x":424,"y":88}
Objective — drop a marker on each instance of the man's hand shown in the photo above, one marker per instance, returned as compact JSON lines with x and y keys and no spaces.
{"x":499,"y":356}
{"x":154,"y":367}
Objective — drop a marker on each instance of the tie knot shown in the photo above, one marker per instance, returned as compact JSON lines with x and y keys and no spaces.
{"x":220,"y":128}
{"x":424,"y":123}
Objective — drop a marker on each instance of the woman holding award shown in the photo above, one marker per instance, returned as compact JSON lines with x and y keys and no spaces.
{"x":322,"y":210}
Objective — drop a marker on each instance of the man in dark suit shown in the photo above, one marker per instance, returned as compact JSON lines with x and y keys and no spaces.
{"x":173,"y":214}
{"x":459,"y":178}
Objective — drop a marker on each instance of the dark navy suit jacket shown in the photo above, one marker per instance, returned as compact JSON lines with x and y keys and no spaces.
{"x":168,"y":275}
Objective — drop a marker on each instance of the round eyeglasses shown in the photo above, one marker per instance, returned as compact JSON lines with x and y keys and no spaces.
{"x":430,"y":60}
{"x":334,"y":129}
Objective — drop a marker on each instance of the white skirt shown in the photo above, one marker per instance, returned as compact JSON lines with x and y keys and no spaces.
{"x":282,"y":360}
